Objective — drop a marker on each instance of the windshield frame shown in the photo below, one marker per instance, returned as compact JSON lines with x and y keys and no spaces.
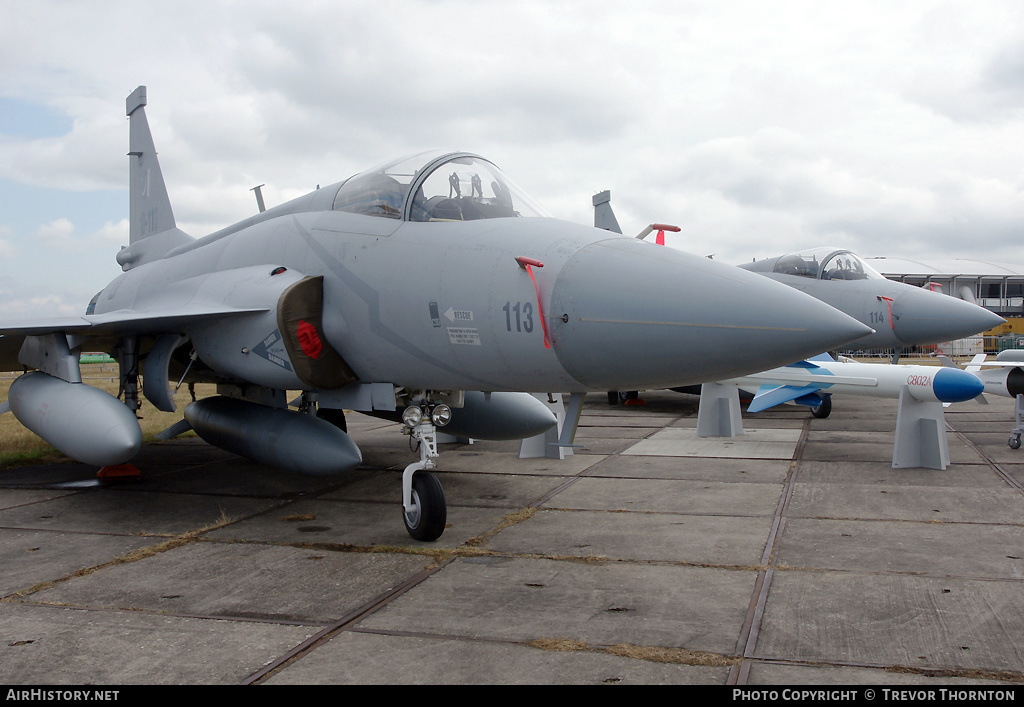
{"x":394,"y":189}
{"x":817,"y":259}
{"x":521,"y":202}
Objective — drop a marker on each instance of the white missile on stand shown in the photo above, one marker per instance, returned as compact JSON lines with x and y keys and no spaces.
{"x":922,"y":392}
{"x":810,"y":382}
{"x":1006,"y":380}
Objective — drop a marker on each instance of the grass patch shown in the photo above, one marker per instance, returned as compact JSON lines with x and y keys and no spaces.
{"x":21,"y":447}
{"x":680,"y":656}
{"x":653,"y":654}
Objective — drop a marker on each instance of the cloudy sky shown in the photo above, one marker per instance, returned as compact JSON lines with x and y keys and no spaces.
{"x":757,"y":127}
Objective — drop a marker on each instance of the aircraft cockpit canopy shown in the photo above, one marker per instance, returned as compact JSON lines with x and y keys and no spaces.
{"x":435,"y":186}
{"x":826,"y":264}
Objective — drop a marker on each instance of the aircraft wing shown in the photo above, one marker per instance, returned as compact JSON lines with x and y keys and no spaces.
{"x":122,"y":322}
{"x":14,"y":332}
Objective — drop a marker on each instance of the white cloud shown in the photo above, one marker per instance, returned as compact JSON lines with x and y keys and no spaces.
{"x":57,"y":233}
{"x":758,"y":127}
{"x":23,"y":308}
{"x":112,"y":233}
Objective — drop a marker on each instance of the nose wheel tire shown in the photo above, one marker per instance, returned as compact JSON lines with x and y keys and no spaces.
{"x":1014,"y":442}
{"x":425,"y":518}
{"x":824,"y":410}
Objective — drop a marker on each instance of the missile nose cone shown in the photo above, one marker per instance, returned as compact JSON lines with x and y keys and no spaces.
{"x":952,"y":385}
{"x":627,"y":314}
{"x":924,"y":317}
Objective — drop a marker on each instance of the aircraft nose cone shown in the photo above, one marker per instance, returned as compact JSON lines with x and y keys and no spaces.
{"x":924,"y":317}
{"x":627,"y":314}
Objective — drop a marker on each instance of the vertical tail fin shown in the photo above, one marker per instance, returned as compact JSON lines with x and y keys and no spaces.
{"x":149,"y":207}
{"x":604,"y":217}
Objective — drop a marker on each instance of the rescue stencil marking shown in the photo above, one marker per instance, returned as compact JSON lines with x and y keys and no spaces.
{"x":459,"y":315}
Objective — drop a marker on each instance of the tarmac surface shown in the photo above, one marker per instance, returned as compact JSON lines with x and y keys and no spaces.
{"x":794,"y":554}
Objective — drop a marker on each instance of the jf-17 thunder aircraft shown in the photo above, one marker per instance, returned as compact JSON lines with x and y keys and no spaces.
{"x":430,"y":290}
{"x":900,"y":315}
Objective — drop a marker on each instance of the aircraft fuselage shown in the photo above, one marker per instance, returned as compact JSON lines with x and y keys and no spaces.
{"x":447,"y":305}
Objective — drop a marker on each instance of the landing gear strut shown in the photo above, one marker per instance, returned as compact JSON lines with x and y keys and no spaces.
{"x":1018,"y":415}
{"x":424,"y":510}
{"x":615,"y":397}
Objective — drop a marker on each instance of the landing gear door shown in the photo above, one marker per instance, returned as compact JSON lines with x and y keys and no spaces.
{"x":300,"y":320}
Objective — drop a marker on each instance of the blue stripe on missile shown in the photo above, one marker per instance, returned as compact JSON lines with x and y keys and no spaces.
{"x":769,"y":396}
{"x":951,"y":385}
{"x":805,"y":364}
{"x":811,"y":399}
{"x":810,"y":363}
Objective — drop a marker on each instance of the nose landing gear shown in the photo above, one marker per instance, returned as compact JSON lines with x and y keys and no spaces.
{"x":424,"y":510}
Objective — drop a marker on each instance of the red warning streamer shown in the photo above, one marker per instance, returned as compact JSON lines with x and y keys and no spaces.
{"x":888,"y":301}
{"x":529,"y":264}
{"x":662,"y":227}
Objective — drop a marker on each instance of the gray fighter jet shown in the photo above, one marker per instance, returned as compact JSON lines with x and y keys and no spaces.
{"x":429,"y":289}
{"x":902,"y":315}
{"x":899,"y":314}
